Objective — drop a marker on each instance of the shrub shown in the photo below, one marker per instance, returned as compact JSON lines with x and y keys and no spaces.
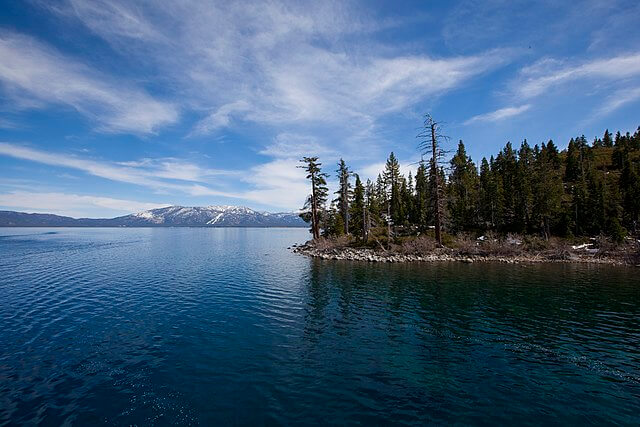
{"x":418,"y":245}
{"x":615,"y":231}
{"x":325,"y":243}
{"x":466,"y":244}
{"x":494,"y":245}
{"x":536,"y":243}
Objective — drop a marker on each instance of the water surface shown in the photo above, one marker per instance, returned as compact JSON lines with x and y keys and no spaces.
{"x":208,"y":326}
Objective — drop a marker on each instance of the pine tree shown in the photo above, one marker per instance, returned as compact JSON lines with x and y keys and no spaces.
{"x":436,"y":181}
{"x":332,"y":224}
{"x":506,"y":167}
{"x":613,"y":210}
{"x":584,"y":190}
{"x":572,"y":162}
{"x":421,"y":215}
{"x":406,"y":200}
{"x":635,"y":143}
{"x":630,"y":187}
{"x":313,"y":209}
{"x":344,"y":193}
{"x":381,"y":192}
{"x":547,"y":189}
{"x":580,"y":206}
{"x":486,"y":196}
{"x":393,"y":182}
{"x":463,"y":185}
{"x":621,"y":151}
{"x":523,"y":186}
{"x":357,"y":210}
{"x":372,"y":207}
{"x":606,"y":139}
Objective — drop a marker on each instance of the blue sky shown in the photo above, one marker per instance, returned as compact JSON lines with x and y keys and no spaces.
{"x":112,"y":107}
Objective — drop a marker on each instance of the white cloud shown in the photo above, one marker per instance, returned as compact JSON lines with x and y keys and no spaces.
{"x":7,"y":124}
{"x":619,"y":99}
{"x":176,"y":169}
{"x":277,"y":63}
{"x":540,"y":77}
{"x":73,"y":205}
{"x":159,"y":174}
{"x":220,"y":118}
{"x":35,"y":75}
{"x":500,"y":114}
{"x":293,"y":145}
{"x":115,"y":19}
{"x":279,"y":183}
{"x":371,"y":171}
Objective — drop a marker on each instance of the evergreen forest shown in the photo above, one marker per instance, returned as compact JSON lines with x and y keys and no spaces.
{"x":588,"y":189}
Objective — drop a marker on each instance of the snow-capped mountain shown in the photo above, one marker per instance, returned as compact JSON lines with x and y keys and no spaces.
{"x":172,"y":216}
{"x":210,"y":216}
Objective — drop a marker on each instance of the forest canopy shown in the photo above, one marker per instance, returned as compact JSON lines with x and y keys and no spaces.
{"x":588,"y":189}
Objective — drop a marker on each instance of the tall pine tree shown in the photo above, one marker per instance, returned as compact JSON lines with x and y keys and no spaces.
{"x":344,"y":193}
{"x":313,"y":210}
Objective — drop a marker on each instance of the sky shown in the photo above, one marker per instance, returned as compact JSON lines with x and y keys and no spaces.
{"x":113,"y":107}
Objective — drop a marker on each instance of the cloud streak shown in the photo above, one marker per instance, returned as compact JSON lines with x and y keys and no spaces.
{"x":36,"y":75}
{"x":274,"y":183}
{"x":278,"y":63}
{"x":540,"y":77}
{"x":619,"y":99}
{"x":500,"y":114}
{"x":73,"y":205}
{"x":160,"y":175}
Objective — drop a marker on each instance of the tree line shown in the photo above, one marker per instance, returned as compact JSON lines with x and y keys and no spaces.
{"x":587,"y":189}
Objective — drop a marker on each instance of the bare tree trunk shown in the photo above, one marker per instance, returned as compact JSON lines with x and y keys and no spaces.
{"x":434,"y":149}
{"x":345,"y":208}
{"x":493,"y":221}
{"x":364,"y":224}
{"x":314,"y":212}
{"x":389,"y":224}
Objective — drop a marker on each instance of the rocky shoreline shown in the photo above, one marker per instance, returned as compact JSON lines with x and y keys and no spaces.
{"x":370,"y":255}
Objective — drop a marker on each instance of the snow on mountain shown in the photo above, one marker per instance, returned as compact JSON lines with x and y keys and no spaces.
{"x":172,"y":216}
{"x":210,"y":216}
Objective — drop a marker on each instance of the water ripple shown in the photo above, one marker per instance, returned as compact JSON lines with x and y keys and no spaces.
{"x":225,"y":326}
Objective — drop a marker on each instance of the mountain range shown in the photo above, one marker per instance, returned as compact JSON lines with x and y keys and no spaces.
{"x":172,"y":216}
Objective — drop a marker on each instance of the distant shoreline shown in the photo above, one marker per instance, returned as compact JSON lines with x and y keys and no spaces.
{"x":154,"y":226}
{"x":172,"y":216}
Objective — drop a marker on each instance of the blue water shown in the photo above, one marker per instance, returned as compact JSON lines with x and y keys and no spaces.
{"x":226,"y":326}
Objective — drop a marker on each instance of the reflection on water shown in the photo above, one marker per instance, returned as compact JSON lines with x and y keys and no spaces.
{"x":201,"y":326}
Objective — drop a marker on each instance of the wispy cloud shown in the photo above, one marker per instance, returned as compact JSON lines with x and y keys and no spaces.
{"x":500,"y":114}
{"x":540,"y":77}
{"x":619,"y":99}
{"x":372,"y":170}
{"x":220,"y":118}
{"x":7,"y":124}
{"x":293,"y":145}
{"x":277,"y":183}
{"x":36,"y":75}
{"x":73,"y":205}
{"x":278,"y":63}
{"x":160,"y":175}
{"x":279,"y":180}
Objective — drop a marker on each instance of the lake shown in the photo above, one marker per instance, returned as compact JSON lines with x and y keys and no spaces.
{"x":227,"y":326}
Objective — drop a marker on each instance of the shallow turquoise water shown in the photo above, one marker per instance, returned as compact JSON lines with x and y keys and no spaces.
{"x":210,"y":326}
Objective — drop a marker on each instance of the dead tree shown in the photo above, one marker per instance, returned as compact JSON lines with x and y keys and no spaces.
{"x":430,"y":138}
